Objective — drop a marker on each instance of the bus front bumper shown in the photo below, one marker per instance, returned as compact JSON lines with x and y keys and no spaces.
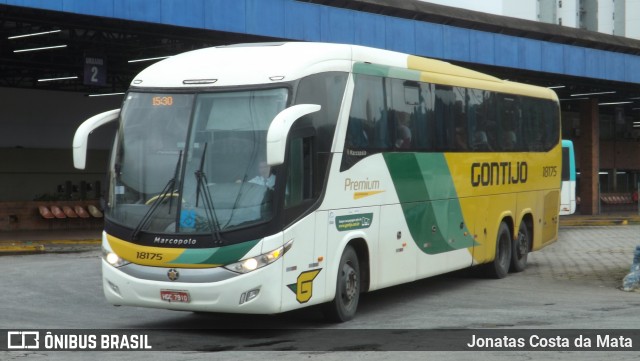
{"x":257,"y":292}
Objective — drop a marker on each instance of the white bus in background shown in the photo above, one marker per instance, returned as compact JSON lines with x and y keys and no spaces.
{"x":568,"y":191}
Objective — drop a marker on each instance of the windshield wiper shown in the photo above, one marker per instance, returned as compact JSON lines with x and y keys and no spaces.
{"x":167,"y":191}
{"x":209,"y":208}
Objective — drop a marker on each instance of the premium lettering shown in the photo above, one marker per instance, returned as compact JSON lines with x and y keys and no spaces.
{"x":361,"y":185}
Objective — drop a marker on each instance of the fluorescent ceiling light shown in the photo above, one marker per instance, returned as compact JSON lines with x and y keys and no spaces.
{"x":34,"y":34}
{"x":585,"y":94}
{"x":61,"y":78}
{"x":105,"y":94}
{"x":564,"y":100}
{"x":556,"y":87}
{"x":615,"y":103}
{"x":148,"y":59}
{"x":38,"y":49}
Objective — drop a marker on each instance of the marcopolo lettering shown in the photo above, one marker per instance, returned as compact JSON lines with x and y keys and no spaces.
{"x":175,"y":241}
{"x":498,"y":173}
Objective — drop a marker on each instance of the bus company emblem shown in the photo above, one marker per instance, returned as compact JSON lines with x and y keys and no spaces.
{"x":303,"y":288}
{"x":173,"y":274}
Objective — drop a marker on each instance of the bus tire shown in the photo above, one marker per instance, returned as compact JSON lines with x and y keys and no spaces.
{"x":344,"y":305}
{"x":520,"y":249}
{"x":499,"y":267}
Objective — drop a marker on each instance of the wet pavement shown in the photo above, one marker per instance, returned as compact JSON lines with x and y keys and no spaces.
{"x":598,"y":255}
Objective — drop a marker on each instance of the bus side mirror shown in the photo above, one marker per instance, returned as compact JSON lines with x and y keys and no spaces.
{"x":279,"y":130}
{"x":81,"y":138}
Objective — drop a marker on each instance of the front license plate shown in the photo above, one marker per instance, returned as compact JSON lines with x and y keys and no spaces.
{"x":175,"y":296}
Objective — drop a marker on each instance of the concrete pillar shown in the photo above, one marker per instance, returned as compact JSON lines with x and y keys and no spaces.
{"x":589,"y":157}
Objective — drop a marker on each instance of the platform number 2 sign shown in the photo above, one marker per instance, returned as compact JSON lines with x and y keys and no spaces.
{"x":95,"y":71}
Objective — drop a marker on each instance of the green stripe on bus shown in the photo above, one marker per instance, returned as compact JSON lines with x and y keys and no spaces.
{"x":386,"y":71}
{"x":429,"y":201}
{"x":220,"y":256}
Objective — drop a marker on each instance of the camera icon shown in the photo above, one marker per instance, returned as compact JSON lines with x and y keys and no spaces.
{"x":23,"y":340}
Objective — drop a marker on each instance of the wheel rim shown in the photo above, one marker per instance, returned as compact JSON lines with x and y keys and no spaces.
{"x":349,"y":284}
{"x":522,"y":245}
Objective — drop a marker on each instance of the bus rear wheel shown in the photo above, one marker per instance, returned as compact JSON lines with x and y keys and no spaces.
{"x":520,"y":249}
{"x":344,"y":305}
{"x":499,"y":267}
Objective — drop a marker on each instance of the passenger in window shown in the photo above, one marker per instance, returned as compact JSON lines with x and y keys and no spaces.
{"x":480,"y":141}
{"x":461,"y":138}
{"x":265,"y":177}
{"x":509,"y":141}
{"x":403,"y":132}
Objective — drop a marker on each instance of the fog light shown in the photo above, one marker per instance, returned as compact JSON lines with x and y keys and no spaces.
{"x":249,"y":295}
{"x":113,"y":287}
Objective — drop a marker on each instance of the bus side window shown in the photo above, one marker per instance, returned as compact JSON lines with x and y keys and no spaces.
{"x":301,"y":171}
{"x":424,"y":118}
{"x":368,"y":129}
{"x":444,"y":113}
{"x":404,"y":112}
{"x":510,"y":123}
{"x":450,"y":112}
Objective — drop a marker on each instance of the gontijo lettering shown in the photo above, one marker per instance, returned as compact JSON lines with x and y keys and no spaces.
{"x":498,"y":173}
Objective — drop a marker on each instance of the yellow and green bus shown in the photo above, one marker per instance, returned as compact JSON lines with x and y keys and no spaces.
{"x":262,"y":178}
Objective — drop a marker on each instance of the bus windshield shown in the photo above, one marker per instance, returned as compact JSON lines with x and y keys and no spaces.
{"x":193,"y":163}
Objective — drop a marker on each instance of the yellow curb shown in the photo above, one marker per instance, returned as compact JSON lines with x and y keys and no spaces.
{"x":53,"y":241}
{"x":21,"y":248}
{"x":39,"y":246}
{"x":67,"y":241}
{"x":600,"y":222}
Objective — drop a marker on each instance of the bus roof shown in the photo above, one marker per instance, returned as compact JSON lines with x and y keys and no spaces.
{"x":269,"y":63}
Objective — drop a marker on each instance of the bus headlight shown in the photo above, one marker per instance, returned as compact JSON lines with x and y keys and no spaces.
{"x":253,"y":263}
{"x":113,"y":259}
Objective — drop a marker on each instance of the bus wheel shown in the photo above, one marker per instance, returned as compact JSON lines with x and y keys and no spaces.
{"x":520,"y":249}
{"x":500,"y":265}
{"x":344,"y":305}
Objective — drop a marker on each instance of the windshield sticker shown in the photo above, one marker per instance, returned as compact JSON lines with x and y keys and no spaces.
{"x":354,"y":221}
{"x":188,"y":218}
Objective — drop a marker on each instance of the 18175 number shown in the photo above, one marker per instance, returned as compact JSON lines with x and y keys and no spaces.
{"x":149,"y":256}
